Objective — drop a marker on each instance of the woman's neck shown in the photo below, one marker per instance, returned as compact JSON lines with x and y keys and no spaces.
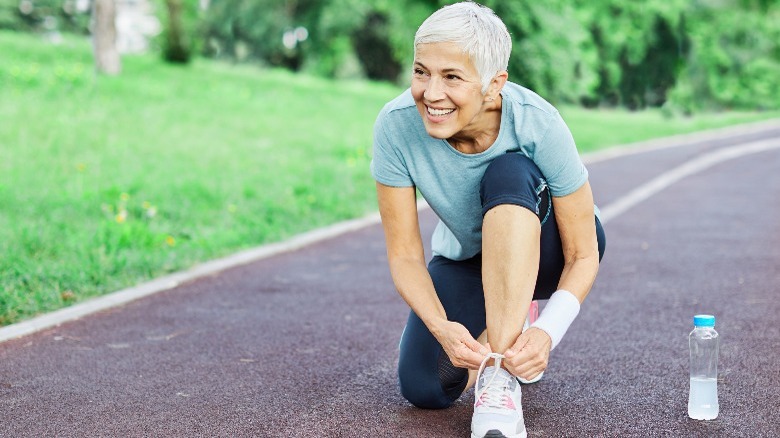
{"x":481,"y":133}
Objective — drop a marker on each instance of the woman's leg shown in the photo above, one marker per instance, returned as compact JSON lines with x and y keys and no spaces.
{"x":512,"y":191}
{"x":426,"y":376}
{"x":522,"y":249}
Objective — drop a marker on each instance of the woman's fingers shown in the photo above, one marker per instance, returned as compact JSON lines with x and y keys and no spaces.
{"x":466,"y":358}
{"x":463,"y":350}
{"x":475,"y":346}
{"x":528,"y":356}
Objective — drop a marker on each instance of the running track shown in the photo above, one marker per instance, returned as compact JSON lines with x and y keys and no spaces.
{"x":304,"y":343}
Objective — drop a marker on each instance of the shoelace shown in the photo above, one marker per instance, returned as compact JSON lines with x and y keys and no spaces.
{"x":492,"y":396}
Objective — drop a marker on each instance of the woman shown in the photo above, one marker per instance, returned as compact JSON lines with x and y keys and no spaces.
{"x":499,"y":167}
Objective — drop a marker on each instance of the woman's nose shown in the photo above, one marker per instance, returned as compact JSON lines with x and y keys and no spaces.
{"x":434,"y":90}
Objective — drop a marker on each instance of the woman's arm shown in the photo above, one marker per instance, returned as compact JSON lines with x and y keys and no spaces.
{"x":577,"y":226}
{"x":398,"y":208}
{"x":406,"y":257}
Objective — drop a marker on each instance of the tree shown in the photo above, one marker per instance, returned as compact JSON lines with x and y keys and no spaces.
{"x":176,"y":45}
{"x":641,"y":48}
{"x":374,"y":48}
{"x":734,"y":57}
{"x":552,"y":52}
{"x":107,"y":59}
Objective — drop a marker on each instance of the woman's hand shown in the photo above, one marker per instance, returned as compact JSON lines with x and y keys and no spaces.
{"x":463,"y":350}
{"x":398,"y":207}
{"x":528,"y":356}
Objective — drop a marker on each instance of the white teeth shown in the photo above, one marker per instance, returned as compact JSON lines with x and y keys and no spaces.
{"x":438,"y":112}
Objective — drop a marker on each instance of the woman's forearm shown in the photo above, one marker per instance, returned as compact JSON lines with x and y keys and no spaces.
{"x":579,"y":274}
{"x":564,"y":305}
{"x":415,"y":286}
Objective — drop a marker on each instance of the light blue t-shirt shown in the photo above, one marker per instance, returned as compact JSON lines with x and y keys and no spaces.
{"x":405,"y":156}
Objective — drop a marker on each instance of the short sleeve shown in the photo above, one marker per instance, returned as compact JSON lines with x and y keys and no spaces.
{"x":387,"y":164}
{"x":557,"y":157}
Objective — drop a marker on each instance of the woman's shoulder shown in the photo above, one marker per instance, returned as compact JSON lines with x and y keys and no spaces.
{"x":400,"y":117}
{"x":533,"y":117}
{"x":399,"y":105}
{"x":525,"y":100}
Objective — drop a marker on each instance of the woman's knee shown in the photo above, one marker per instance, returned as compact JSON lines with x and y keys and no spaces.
{"x":424,"y":395}
{"x":427,"y":390}
{"x":426,"y":377}
{"x":514,"y":179}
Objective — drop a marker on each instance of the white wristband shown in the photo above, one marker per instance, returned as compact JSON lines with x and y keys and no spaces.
{"x":558,"y":315}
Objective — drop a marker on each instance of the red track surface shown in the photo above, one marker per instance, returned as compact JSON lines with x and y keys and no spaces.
{"x":305,"y":343}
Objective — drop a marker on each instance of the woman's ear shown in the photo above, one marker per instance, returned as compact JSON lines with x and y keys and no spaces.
{"x":498,"y":82}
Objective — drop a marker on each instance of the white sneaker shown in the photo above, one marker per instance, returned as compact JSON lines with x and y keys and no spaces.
{"x":498,"y":412}
{"x":533,"y":314}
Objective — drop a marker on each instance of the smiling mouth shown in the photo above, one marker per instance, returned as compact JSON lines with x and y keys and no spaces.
{"x":439,"y":112}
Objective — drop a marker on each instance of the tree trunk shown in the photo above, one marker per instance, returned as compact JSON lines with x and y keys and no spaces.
{"x":104,"y":37}
{"x":176,"y":49}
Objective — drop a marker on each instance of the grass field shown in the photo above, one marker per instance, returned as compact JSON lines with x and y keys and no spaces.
{"x":107,"y":182}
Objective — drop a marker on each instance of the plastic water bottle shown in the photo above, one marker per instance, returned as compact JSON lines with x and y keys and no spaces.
{"x":703,"y":342}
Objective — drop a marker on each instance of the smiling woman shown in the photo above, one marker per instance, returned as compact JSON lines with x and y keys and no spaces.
{"x":517,"y":222}
{"x":447,"y":90}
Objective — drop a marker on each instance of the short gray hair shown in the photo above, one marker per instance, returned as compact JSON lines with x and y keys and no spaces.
{"x":477,"y":30}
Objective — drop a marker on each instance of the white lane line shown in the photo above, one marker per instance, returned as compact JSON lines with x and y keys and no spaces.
{"x":666,"y":179}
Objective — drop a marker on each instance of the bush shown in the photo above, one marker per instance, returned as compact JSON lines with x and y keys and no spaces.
{"x":641,"y":48}
{"x":734,"y":60}
{"x":270,"y":31}
{"x":687,"y":56}
{"x":318,"y":36}
{"x":552,"y":52}
{"x":44,"y":15}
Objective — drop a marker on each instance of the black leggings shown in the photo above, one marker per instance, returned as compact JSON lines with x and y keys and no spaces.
{"x":426,"y":376}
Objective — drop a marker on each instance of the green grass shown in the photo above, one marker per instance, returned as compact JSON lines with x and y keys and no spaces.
{"x":107,"y":182}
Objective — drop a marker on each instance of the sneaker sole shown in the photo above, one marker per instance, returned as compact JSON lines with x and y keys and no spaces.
{"x":534,"y":380}
{"x":498,"y":434}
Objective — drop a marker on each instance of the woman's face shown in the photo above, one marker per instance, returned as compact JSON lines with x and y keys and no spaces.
{"x":447,"y":89}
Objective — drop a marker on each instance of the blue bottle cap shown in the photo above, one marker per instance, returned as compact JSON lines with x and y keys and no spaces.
{"x":704,"y":321}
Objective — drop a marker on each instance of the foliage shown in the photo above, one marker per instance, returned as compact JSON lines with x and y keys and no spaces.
{"x":375,"y":33}
{"x":272,"y":31}
{"x":180,"y":38}
{"x":552,"y":52}
{"x":43,"y":15}
{"x":734,"y":64}
{"x":686,"y":55}
{"x":641,"y":47}
{"x":403,"y":17}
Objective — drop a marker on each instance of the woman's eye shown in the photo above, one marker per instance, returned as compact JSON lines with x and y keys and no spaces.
{"x":418,"y":72}
{"x":453,"y":77}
